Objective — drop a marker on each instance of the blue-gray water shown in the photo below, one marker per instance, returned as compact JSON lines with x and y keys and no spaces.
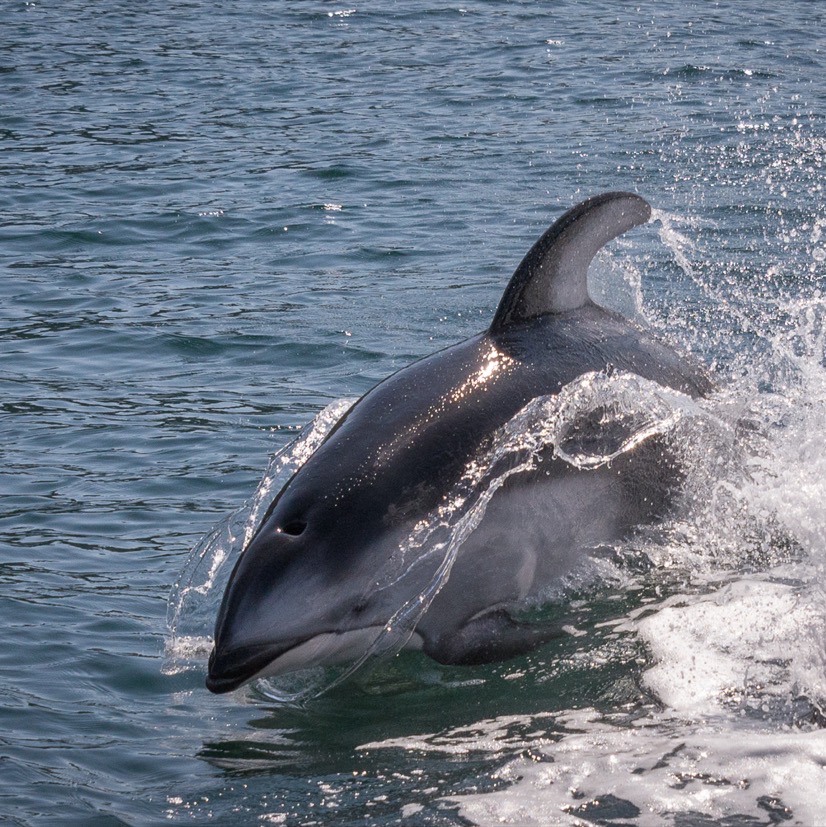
{"x":215,"y":219}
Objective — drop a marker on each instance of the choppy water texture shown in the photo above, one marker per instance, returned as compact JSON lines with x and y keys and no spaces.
{"x":219,"y":219}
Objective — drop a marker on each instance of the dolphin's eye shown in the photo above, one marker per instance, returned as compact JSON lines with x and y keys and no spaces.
{"x":294,"y":528}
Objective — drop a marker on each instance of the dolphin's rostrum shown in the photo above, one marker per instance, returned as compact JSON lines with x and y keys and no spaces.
{"x":305,"y":591}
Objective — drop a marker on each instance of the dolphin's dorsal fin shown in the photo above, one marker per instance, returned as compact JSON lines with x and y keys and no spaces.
{"x":552,"y":277}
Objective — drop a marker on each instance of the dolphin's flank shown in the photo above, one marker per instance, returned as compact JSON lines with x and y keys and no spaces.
{"x":309,"y":589}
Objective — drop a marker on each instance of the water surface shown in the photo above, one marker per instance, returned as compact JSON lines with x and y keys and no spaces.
{"x":217,"y":220}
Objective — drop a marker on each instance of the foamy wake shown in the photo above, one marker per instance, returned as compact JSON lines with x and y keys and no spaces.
{"x":657,"y":770}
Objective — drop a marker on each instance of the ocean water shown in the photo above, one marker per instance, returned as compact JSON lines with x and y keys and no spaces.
{"x":219,"y":220}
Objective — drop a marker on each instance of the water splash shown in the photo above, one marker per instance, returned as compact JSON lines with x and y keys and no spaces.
{"x":734,"y":630}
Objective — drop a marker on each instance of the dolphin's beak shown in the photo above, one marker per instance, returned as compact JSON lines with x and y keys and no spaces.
{"x":231,"y":668}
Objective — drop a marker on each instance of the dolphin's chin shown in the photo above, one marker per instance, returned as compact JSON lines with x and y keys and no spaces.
{"x":229,"y":669}
{"x":232,"y":670}
{"x":220,"y":685}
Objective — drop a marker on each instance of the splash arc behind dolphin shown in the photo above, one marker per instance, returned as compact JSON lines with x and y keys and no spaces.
{"x":324,"y":573}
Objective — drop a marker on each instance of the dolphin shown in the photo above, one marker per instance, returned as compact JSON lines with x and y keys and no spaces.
{"x":330,"y":562}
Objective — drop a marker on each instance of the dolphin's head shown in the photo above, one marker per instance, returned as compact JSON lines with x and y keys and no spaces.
{"x":308,"y":590}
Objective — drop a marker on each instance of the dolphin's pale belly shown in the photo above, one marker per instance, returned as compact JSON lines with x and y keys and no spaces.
{"x":533,"y":535}
{"x":329,"y":649}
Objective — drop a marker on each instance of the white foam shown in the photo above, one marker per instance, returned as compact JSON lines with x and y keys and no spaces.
{"x":493,"y":735}
{"x":181,"y":652}
{"x":736,"y":657}
{"x":651,"y":771}
{"x":738,"y":644}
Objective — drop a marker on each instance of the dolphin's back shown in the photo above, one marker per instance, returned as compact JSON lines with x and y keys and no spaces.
{"x":415,"y":432}
{"x":545,"y":333}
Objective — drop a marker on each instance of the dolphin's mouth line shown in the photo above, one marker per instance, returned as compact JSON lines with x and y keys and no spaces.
{"x":238,"y":666}
{"x":249,"y":663}
{"x":222,"y":685}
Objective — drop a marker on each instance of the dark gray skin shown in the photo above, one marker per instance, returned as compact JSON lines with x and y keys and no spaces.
{"x":323,"y":574}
